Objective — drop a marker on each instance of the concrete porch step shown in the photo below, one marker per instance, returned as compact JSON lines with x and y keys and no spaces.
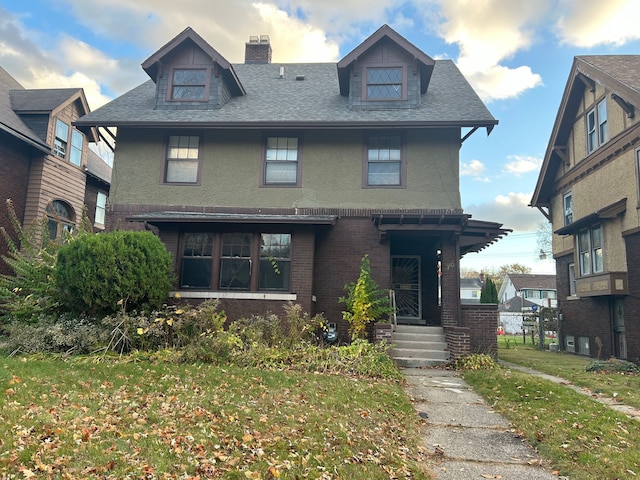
{"x":419,"y":346}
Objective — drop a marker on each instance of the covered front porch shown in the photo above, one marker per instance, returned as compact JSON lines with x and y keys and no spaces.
{"x":425,"y":251}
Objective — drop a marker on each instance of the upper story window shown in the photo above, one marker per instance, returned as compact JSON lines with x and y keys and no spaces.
{"x":385,"y":83}
{"x":384,"y":161}
{"x":189,"y":84}
{"x":61,"y":139}
{"x":182,"y":159}
{"x":75,"y":155}
{"x":281,"y":161}
{"x":597,"y":126}
{"x":567,"y":201}
{"x":590,"y":250}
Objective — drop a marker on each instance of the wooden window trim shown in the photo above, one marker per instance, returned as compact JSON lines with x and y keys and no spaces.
{"x":207,"y":83}
{"x":403,"y":161}
{"x":263,"y":160}
{"x":365,"y":69}
{"x":165,"y":159}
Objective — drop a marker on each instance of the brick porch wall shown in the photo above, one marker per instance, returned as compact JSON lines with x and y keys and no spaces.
{"x":482,"y":322}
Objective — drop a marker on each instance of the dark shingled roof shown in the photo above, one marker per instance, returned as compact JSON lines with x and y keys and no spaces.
{"x":41,"y":100}
{"x":537,"y":282}
{"x":10,"y":121}
{"x":314,"y":101}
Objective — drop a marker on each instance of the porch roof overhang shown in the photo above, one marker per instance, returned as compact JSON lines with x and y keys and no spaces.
{"x":474,"y":235}
{"x":171,"y":217}
{"x":608,"y":212}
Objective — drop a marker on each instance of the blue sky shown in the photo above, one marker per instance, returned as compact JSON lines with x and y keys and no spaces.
{"x":516,"y":54}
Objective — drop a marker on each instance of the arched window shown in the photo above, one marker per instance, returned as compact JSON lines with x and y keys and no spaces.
{"x":59,"y":219}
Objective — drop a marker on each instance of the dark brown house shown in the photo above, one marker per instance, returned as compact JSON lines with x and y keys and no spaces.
{"x":307,"y":166}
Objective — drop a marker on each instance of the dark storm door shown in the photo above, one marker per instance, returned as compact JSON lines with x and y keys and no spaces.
{"x":405,"y":281}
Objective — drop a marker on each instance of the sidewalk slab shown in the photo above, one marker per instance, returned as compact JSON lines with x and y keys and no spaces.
{"x":464,"y":436}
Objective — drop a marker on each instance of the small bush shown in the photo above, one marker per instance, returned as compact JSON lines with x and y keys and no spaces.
{"x":95,"y":272}
{"x":475,"y":361}
{"x":613,"y":365}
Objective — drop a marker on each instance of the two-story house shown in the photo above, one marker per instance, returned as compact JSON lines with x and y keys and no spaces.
{"x":269,"y":182}
{"x":520,"y":294}
{"x":45,"y":163}
{"x":588,"y":189}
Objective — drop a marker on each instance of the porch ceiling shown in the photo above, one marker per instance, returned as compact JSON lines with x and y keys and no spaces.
{"x":473,"y":235}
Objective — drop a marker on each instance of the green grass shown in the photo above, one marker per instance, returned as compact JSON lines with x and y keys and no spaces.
{"x":580,"y":437}
{"x":84,"y":418}
{"x":625,"y":388}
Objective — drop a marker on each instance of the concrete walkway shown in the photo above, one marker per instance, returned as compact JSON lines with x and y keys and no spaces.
{"x":470,"y":440}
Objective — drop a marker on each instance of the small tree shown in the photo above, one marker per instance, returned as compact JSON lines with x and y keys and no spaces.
{"x":32,"y":257}
{"x":489,"y":293}
{"x":95,"y":272}
{"x":365,"y":302}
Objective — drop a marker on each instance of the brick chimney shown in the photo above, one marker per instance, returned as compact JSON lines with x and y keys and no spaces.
{"x":257,"y":49}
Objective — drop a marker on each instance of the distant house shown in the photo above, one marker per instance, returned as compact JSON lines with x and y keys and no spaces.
{"x":470,"y":289}
{"x":268,"y":182}
{"x":536,"y":288}
{"x":588,"y":188}
{"x":46,"y":167}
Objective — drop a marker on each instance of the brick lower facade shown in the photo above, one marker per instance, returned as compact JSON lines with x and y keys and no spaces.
{"x":15,"y":163}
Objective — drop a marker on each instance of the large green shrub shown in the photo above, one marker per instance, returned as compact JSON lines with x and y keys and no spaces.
{"x":100,"y":273}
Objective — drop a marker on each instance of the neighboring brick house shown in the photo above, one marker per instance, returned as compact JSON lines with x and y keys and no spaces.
{"x":44,"y":160}
{"x":269,"y":182}
{"x":588,"y":189}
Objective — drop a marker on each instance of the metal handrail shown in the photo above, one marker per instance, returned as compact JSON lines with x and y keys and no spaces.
{"x":392,"y":299}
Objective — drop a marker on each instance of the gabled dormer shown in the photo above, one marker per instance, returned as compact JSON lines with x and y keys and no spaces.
{"x":191,"y":75}
{"x":385,"y":72}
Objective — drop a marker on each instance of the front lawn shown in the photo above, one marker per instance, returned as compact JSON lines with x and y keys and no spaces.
{"x":90,"y":417}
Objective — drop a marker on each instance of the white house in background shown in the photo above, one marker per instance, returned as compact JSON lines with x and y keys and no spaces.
{"x":517,"y":295}
{"x":538,"y":289}
{"x":470,"y":289}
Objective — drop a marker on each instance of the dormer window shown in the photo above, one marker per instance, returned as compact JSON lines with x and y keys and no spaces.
{"x":385,"y":83}
{"x":189,"y":84}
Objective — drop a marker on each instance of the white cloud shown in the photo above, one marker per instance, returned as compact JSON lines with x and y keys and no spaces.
{"x":511,"y":210}
{"x":474,"y":168}
{"x":588,"y":23}
{"x":488,"y":33}
{"x":523,"y":164}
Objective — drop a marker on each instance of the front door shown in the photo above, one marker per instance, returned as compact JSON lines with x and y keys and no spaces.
{"x":620,"y":340}
{"x":405,"y":281}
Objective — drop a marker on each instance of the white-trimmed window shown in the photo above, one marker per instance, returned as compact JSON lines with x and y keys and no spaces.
{"x":590,"y":250}
{"x":281,"y":161}
{"x":61,"y":140}
{"x":75,"y":154}
{"x":101,"y":207}
{"x":183,"y":159}
{"x":597,"y":126}
{"x":567,"y":202}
